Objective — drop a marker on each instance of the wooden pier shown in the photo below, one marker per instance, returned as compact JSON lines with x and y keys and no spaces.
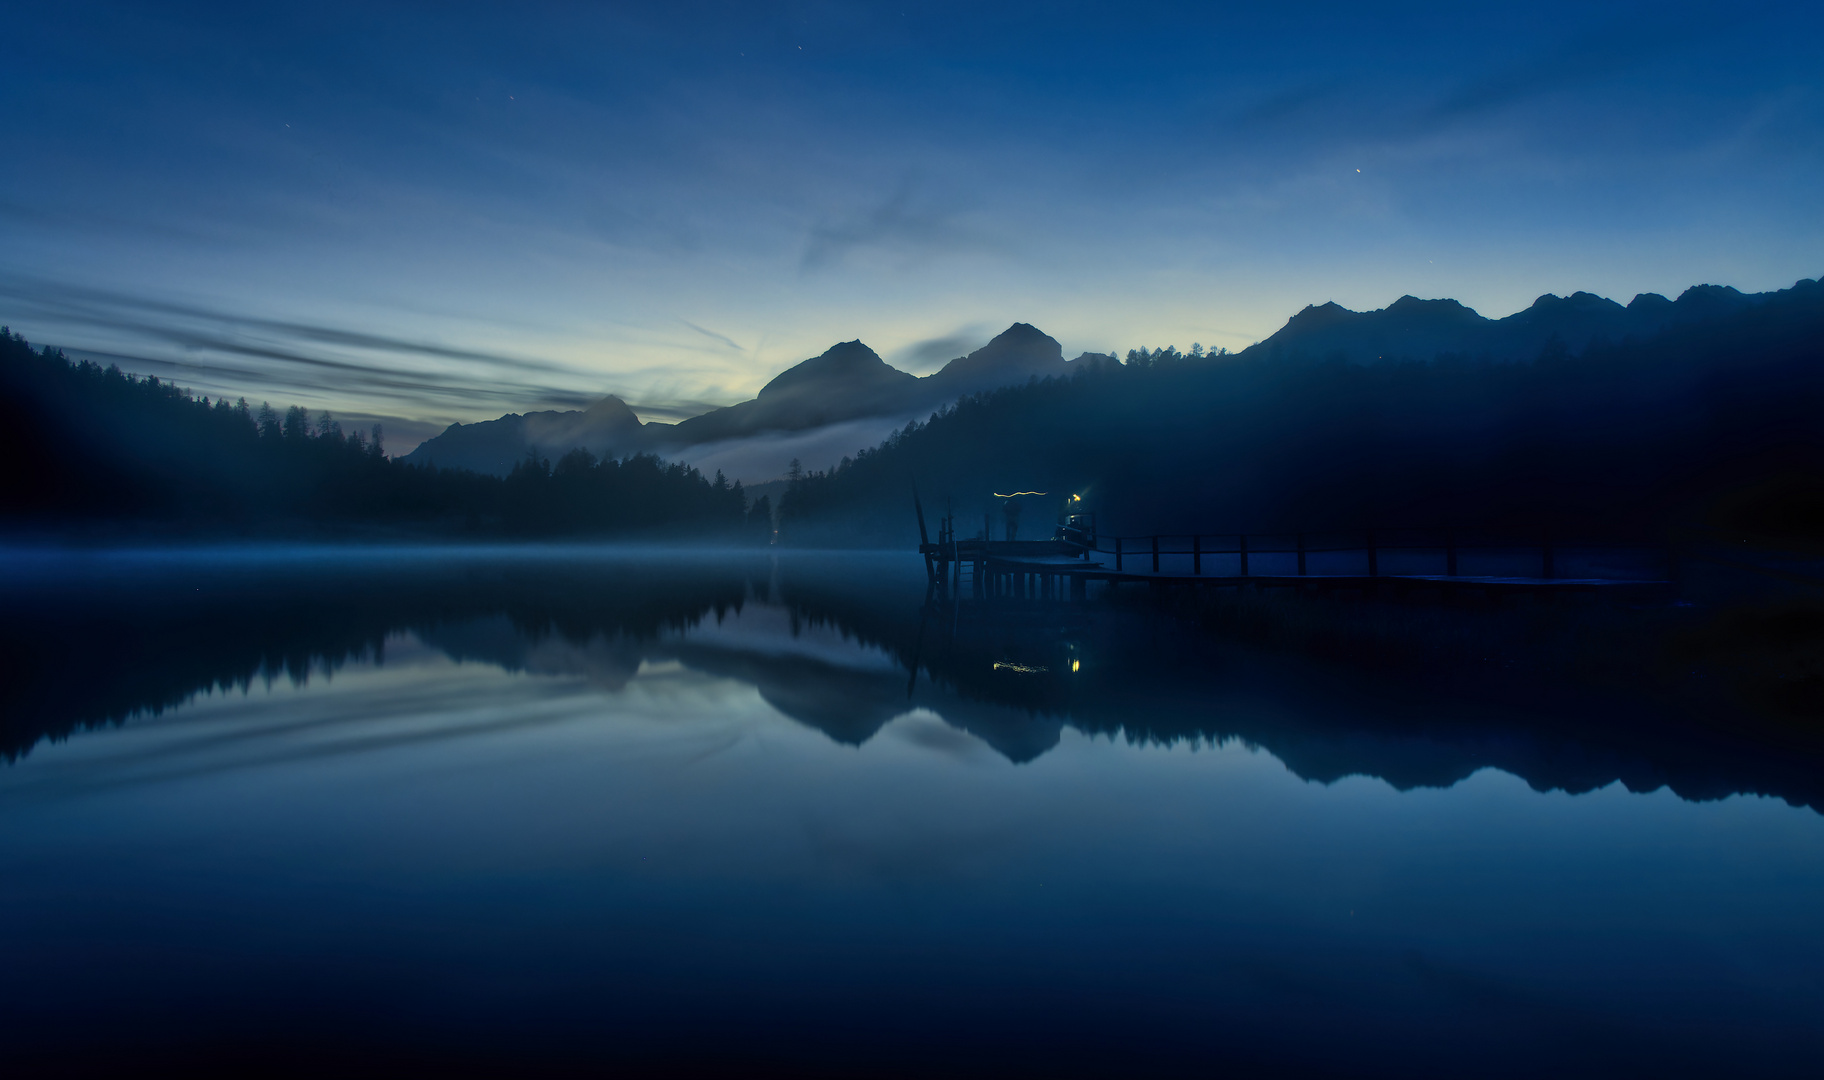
{"x":1389,"y":562}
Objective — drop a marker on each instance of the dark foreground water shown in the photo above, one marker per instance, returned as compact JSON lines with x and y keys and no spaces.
{"x":505,"y":812}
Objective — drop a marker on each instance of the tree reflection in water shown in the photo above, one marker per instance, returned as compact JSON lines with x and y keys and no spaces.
{"x":98,"y":640}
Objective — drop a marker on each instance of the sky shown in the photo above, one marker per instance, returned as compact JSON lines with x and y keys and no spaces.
{"x":435,"y":212}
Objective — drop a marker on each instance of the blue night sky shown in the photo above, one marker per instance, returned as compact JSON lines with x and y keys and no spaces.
{"x":440,"y":212}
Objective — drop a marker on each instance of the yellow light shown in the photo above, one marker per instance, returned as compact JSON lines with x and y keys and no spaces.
{"x":1075,"y":664}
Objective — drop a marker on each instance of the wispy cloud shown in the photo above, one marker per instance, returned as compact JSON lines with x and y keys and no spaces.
{"x":672,"y":411}
{"x":1590,"y":57}
{"x":944,"y":347}
{"x":97,"y":304}
{"x":900,"y":223}
{"x":378,"y":381}
{"x":252,"y":353}
{"x":1290,"y":103}
{"x":723,"y":338}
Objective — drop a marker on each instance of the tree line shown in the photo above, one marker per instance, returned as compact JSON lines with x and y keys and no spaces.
{"x":93,"y":446}
{"x":1712,"y":425}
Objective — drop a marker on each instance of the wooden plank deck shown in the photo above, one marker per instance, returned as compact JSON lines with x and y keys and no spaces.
{"x":1057,"y":568}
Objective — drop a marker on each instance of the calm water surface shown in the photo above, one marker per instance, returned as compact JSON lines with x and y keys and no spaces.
{"x":512,"y":810}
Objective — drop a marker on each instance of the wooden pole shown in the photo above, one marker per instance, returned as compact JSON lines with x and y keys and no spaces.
{"x":1301,"y":554}
{"x":1117,"y":553}
{"x":1155,"y":554}
{"x":1374,"y":564}
{"x":1244,"y":554}
{"x":1196,"y":554}
{"x":924,"y":539}
{"x":1546,"y":553}
{"x":1450,"y":552}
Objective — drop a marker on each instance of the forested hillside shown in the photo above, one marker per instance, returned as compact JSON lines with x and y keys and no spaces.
{"x":1716,"y":422}
{"x":91,"y":447}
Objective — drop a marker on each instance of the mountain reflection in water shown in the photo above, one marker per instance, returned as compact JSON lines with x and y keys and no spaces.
{"x":830,"y":641}
{"x":481,"y":812}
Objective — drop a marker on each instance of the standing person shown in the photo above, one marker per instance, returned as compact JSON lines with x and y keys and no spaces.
{"x":1011,"y":508}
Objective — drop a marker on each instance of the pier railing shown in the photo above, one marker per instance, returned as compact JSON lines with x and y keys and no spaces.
{"x":1144,"y":552}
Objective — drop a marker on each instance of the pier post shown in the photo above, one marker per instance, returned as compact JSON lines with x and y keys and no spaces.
{"x":1155,"y":554}
{"x":1196,"y":554}
{"x":1546,"y":553}
{"x":1117,"y":553}
{"x":1374,"y":562}
{"x":1301,"y":554}
{"x":1450,"y":552}
{"x":1244,"y":554}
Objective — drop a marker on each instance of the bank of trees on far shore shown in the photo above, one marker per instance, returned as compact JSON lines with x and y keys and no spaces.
{"x":91,"y":446}
{"x":1713,"y":424}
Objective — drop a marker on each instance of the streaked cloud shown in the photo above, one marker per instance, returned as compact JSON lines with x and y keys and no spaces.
{"x":930,"y":353}
{"x":903,"y":226}
{"x":527,"y":209}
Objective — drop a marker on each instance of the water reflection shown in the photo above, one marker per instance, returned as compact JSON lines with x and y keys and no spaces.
{"x":841,"y":644}
{"x":497,"y":813}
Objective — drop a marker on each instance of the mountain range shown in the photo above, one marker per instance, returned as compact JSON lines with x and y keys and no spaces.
{"x":1414,"y":329}
{"x":850,"y":381}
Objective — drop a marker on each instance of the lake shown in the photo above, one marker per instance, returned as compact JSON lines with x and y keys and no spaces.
{"x":515,"y":810}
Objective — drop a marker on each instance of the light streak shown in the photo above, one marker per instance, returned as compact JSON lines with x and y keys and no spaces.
{"x":998,"y":495}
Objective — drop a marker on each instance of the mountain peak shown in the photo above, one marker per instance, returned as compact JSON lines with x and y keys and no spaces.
{"x":1020,"y":332}
{"x":1317,"y":316}
{"x":1576,"y":302}
{"x":1017,"y":353}
{"x":846,"y":365}
{"x":1411,"y":307}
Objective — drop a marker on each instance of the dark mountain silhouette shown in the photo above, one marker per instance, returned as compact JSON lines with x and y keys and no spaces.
{"x":1414,"y":329}
{"x":1669,"y":414}
{"x":1089,"y":361}
{"x":1020,"y":352}
{"x":607,"y":429}
{"x":848,"y":382}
